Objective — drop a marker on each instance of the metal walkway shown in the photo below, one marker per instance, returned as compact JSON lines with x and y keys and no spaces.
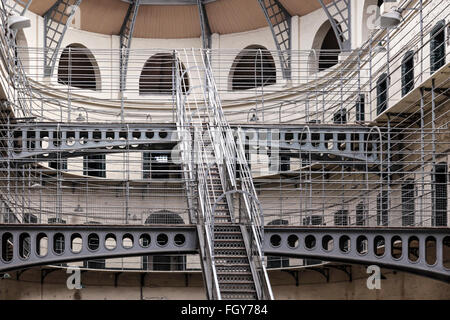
{"x":24,"y":246}
{"x":32,"y":140}
{"x":419,"y":251}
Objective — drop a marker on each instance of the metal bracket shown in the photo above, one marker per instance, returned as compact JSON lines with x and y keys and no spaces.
{"x":45,"y":273}
{"x":323,"y":271}
{"x":19,"y":273}
{"x":295,"y":274}
{"x":116,"y":278}
{"x":346,"y":269}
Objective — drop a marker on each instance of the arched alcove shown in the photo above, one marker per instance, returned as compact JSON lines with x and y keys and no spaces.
{"x":253,"y":67}
{"x":325,"y":49}
{"x":78,"y":68}
{"x":157,"y":75}
{"x":21,"y":51}
{"x":164,"y":262}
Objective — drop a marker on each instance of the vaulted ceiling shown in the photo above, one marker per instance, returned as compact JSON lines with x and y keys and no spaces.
{"x":176,"y":21}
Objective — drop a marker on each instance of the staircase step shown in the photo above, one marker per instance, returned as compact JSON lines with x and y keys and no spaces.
{"x":238,"y":290}
{"x":231,"y":273}
{"x":239,"y":296}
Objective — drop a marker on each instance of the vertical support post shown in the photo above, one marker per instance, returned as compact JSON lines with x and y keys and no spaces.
{"x":422,"y":156}
{"x":389,"y":136}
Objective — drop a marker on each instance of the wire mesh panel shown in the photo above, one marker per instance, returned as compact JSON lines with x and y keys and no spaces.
{"x":362,"y":143}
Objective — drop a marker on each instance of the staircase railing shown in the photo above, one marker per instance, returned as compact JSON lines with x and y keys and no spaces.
{"x":19,"y":81}
{"x":229,"y":152}
{"x":194,"y":156}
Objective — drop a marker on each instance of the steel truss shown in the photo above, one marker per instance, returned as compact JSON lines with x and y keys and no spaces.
{"x":22,"y":244}
{"x":56,"y":22}
{"x":279,"y":21}
{"x":126,"y":36}
{"x":339,"y":15}
{"x":204,"y":24}
{"x":419,"y":251}
{"x":15,"y":8}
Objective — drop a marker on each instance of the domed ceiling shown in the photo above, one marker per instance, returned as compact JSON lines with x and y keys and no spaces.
{"x":176,"y":18}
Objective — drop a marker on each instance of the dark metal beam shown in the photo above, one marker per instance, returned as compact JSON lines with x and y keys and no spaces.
{"x":362,"y":246}
{"x":56,"y":22}
{"x":279,"y":21}
{"x":126,"y":36}
{"x":204,"y":23}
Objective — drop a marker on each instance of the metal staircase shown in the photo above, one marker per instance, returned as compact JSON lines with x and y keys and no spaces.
{"x":234,"y":274}
{"x":230,"y":246}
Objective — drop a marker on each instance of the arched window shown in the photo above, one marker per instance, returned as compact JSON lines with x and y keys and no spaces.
{"x":325,"y":49}
{"x":407,"y":72}
{"x":78,"y":68}
{"x":437,"y":46}
{"x":163,"y":262}
{"x":382,"y":93}
{"x":253,"y":67}
{"x":329,"y":51}
{"x":157,"y":76}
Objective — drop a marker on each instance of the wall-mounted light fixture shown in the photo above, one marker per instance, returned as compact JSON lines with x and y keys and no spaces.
{"x":18,"y":22}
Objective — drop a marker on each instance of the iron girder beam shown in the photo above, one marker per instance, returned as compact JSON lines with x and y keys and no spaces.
{"x":347,"y":246}
{"x":15,"y":255}
{"x":126,"y":36}
{"x":204,"y":24}
{"x":339,"y":15}
{"x":72,"y":140}
{"x":279,"y":21}
{"x":56,"y":22}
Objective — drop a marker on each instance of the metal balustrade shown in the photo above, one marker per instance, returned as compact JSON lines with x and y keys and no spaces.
{"x":25,"y":246}
{"x":347,"y":157}
{"x":422,"y":251}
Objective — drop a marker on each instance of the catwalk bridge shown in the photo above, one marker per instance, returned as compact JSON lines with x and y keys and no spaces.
{"x":30,"y":141}
{"x":424,"y":251}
